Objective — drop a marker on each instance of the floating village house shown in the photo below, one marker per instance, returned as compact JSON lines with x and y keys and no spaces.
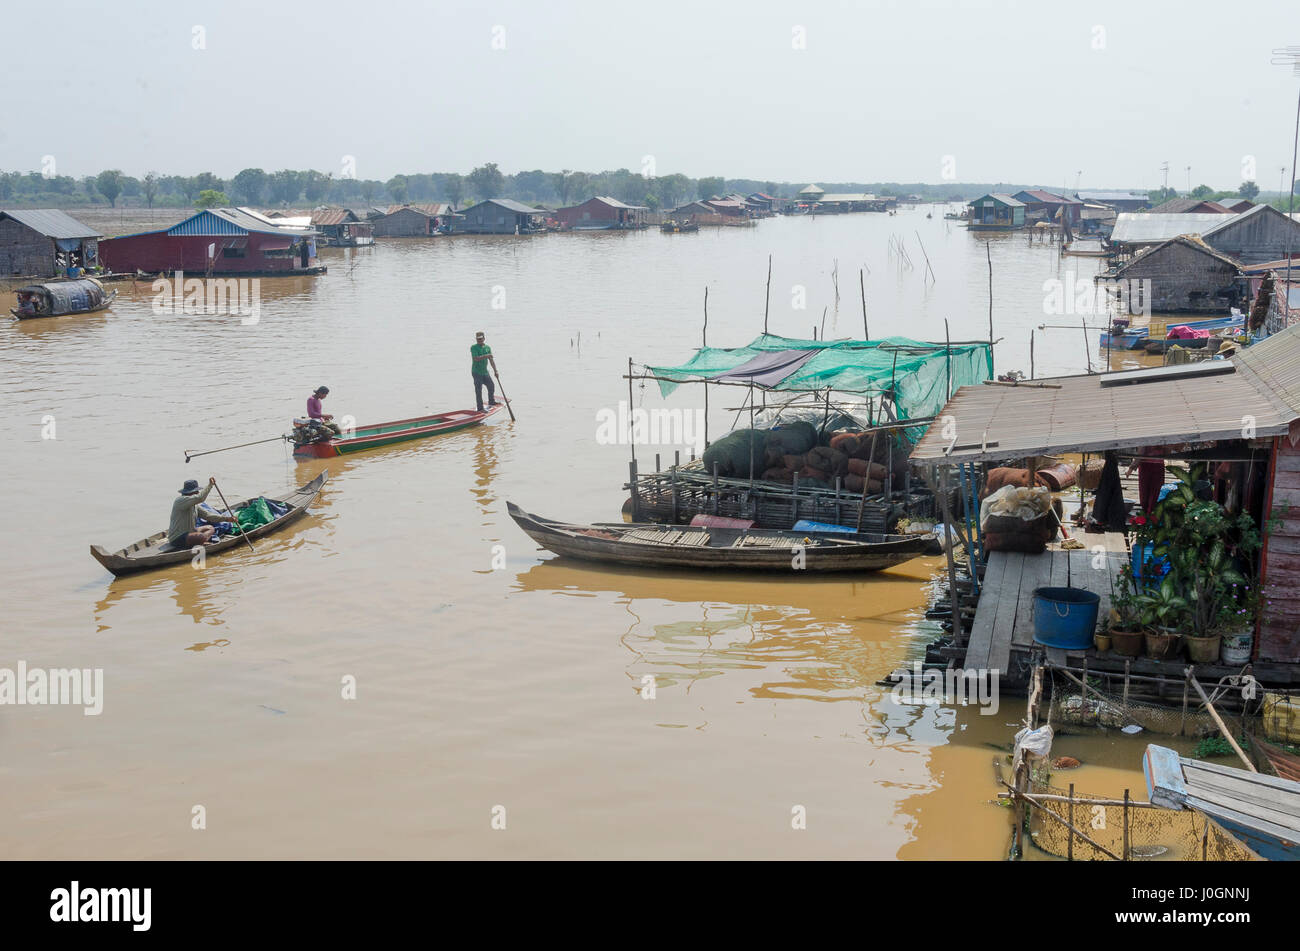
{"x":225,"y":241}
{"x":1259,"y":234}
{"x":1186,"y":276}
{"x":1190,"y":413}
{"x":43,"y":242}
{"x":1043,"y":205}
{"x":1120,"y":201}
{"x":602,"y":214}
{"x":697,"y":212}
{"x":1191,"y":206}
{"x":502,"y":216}
{"x":1136,"y":231}
{"x":342,"y":228}
{"x":413,"y":221}
{"x":996,"y":212}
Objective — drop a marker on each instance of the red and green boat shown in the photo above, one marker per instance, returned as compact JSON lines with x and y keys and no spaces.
{"x":384,"y":434}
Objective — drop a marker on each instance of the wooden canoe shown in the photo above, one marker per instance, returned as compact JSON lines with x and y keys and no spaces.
{"x":401,"y":430}
{"x":156,"y":551}
{"x":650,"y":545}
{"x":1284,"y":764}
{"x":83,"y":295}
{"x":1261,"y":811}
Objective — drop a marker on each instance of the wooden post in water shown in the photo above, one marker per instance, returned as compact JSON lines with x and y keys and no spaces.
{"x":1125,"y":847}
{"x":1031,"y":354}
{"x":947,"y":345}
{"x":862,"y":284}
{"x":1069,"y":848}
{"x":704,"y":342}
{"x":767,"y":300}
{"x":631,"y":430}
{"x":989,"y":257}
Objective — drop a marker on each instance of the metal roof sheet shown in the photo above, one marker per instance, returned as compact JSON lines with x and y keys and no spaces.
{"x":1139,"y":227}
{"x":1108,"y":196}
{"x":1079,"y":414}
{"x":51,"y":222}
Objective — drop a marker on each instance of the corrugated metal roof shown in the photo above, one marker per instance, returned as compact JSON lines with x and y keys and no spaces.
{"x":1001,"y":198}
{"x":1109,"y":196}
{"x":847,"y":197}
{"x":1038,"y":194}
{"x":1078,"y":414}
{"x":51,"y":222}
{"x":1138,"y":227}
{"x":231,"y":221}
{"x":1225,"y":221}
{"x":331,"y":216}
{"x":511,"y":205}
{"x":1275,"y":364}
{"x":1192,"y":241}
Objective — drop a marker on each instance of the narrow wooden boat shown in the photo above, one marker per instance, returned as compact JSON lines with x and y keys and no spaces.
{"x":1262,"y":811}
{"x":83,"y":295}
{"x":1283,"y":763}
{"x":1129,"y":339}
{"x":650,"y":545}
{"x":385,"y":434}
{"x":156,"y":552}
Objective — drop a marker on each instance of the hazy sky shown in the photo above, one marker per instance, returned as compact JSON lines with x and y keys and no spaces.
{"x":1031,"y":92}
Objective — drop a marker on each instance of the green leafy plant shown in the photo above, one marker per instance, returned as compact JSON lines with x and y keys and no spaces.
{"x":1163,"y":607}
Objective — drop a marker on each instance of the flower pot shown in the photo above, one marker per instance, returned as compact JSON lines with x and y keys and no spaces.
{"x":1101,"y":641}
{"x":1126,"y":643}
{"x":1237,"y":647}
{"x":1203,"y":650}
{"x":1161,"y":644}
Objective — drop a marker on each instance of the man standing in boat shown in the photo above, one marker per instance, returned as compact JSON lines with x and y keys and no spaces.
{"x":481,"y":356}
{"x":314,"y":410}
{"x":181,"y":532}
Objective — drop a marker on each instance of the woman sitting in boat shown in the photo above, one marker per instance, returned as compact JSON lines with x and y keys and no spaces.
{"x":182,"y":532}
{"x":315,"y":412}
{"x":27,"y":304}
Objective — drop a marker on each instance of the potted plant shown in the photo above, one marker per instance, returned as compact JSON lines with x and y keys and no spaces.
{"x":1125,"y":616}
{"x":1161,"y":611}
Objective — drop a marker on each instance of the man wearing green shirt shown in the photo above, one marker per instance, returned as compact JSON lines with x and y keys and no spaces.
{"x":481,"y":357}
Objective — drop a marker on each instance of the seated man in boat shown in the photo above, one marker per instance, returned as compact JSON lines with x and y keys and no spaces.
{"x":481,"y":357}
{"x":315,"y":412}
{"x":182,"y":532}
{"x":27,"y":304}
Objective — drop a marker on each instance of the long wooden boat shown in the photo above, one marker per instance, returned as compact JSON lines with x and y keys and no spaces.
{"x":83,"y":295}
{"x":650,"y":545}
{"x":1262,"y":811}
{"x":385,"y":434}
{"x":157,"y":552}
{"x":1283,"y":763}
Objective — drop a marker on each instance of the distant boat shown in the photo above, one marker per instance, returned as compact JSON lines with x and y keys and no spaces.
{"x":83,"y":295}
{"x":384,"y":434}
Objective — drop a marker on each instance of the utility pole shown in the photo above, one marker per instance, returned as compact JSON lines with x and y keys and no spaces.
{"x":1290,"y":56}
{"x":1165,"y":168}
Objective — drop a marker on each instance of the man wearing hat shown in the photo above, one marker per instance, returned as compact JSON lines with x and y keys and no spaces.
{"x":315,"y":412}
{"x":182,"y":533}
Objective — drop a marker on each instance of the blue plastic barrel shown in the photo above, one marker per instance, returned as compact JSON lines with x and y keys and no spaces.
{"x":1065,"y":617}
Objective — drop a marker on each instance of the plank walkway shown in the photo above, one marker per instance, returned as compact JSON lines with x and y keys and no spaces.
{"x":1004,"y":618}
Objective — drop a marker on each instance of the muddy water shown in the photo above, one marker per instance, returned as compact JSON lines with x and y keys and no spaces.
{"x":519,"y":687}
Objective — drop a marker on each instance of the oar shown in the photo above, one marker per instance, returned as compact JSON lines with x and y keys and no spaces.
{"x":242,"y":534}
{"x":190,"y":454}
{"x":503,"y":393}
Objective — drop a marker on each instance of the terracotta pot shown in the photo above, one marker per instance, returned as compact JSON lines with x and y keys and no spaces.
{"x":1203,"y":650}
{"x":1161,"y":645}
{"x":1102,"y":642}
{"x":1126,"y":643}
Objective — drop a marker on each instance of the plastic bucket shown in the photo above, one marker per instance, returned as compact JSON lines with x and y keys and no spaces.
{"x":1065,"y":617}
{"x":1236,"y":648}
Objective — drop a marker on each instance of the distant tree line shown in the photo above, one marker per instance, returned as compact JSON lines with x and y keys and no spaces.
{"x":307,"y":188}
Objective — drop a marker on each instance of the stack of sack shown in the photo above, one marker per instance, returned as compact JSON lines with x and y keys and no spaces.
{"x":1018,"y":518}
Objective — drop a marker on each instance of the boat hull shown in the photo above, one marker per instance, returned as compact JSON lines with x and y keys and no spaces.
{"x":719,"y":549}
{"x":387,"y":434}
{"x":155,"y":552}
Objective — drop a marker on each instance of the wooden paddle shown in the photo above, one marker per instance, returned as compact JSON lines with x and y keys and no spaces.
{"x":503,"y":393}
{"x":242,"y":534}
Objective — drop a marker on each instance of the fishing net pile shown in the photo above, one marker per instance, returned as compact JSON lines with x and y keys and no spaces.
{"x":816,"y":456}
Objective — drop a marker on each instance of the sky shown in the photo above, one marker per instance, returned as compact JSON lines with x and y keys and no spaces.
{"x":1088,"y":95}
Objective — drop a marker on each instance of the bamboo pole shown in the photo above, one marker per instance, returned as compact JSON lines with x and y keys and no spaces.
{"x":1227,"y":734}
{"x":862,"y":284}
{"x":704,"y":342}
{"x":767,"y":300}
{"x":989,"y":256}
{"x":1029,"y":799}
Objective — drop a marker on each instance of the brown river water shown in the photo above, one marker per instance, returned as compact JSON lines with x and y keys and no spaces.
{"x":512,"y":692}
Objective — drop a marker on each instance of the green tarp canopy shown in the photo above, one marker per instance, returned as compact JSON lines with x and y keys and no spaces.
{"x":917,"y":372}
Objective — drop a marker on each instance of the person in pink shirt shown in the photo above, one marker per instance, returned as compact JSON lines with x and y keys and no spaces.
{"x":315,"y":411}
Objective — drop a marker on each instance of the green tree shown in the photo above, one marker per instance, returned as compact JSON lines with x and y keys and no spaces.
{"x":709,"y":187}
{"x":150,"y":187}
{"x":1202,"y":191}
{"x":651,"y":201}
{"x":369,"y":187}
{"x":248,"y":186}
{"x":561,"y":185}
{"x":211,"y":198}
{"x":1248,"y":190}
{"x":285,"y":186}
{"x":397,"y":188}
{"x":109,"y":183}
{"x":454,"y":189}
{"x":208,"y":180}
{"x":315,"y":185}
{"x":486,"y":181}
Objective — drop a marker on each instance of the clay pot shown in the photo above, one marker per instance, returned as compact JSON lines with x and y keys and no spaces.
{"x":1127,"y":643}
{"x":1162,"y":645}
{"x":1203,"y":650}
